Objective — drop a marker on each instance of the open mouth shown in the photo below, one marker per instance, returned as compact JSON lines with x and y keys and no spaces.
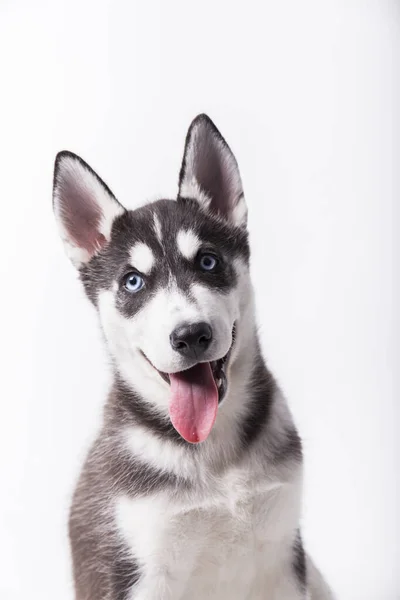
{"x":218,"y":368}
{"x":195,"y":395}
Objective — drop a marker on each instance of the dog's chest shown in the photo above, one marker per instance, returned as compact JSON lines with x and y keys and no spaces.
{"x":232,"y":549}
{"x":220,"y":548}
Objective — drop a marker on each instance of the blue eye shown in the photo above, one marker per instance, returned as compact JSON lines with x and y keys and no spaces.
{"x":133,"y":282}
{"x":208,"y":262}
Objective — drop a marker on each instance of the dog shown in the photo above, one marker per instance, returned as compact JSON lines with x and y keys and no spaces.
{"x":192,"y":489}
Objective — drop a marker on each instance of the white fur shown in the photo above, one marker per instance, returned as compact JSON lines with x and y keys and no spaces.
{"x":193,"y":546}
{"x":88,"y":185}
{"x":191,"y":550}
{"x":244,"y":522}
{"x":190,"y":188}
{"x":149,"y":330}
{"x":120,"y":335}
{"x":229,"y":533}
{"x":188,"y":243}
{"x":160,"y":454}
{"x":157,"y":228}
{"x":239,"y":212}
{"x":142,"y":258}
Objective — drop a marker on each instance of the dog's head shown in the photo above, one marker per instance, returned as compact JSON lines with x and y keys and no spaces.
{"x":170,"y":280}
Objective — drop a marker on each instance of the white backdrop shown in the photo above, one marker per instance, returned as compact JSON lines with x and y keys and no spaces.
{"x":307,"y":94}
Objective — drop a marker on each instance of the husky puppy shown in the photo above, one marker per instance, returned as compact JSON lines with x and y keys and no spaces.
{"x":192,"y":489}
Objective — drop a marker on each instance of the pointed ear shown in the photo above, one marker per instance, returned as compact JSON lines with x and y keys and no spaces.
{"x":210,"y":173}
{"x":84,"y":208}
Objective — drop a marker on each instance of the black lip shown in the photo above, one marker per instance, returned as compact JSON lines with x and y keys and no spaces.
{"x":218,"y":368}
{"x":165,"y":376}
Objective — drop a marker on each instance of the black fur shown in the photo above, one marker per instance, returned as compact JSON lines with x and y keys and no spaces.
{"x":124,"y":574}
{"x":112,"y":262}
{"x":67,"y":154}
{"x":205,"y":142}
{"x":299,"y":562}
{"x":261,"y":394}
{"x":128,"y":407}
{"x":103,"y":566}
{"x":291,"y":449}
{"x":100,"y":563}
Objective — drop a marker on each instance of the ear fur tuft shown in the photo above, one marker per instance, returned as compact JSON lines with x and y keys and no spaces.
{"x":210,"y":174}
{"x":84,"y":207}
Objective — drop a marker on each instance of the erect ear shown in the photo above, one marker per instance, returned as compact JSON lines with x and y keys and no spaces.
{"x":84,"y":207}
{"x":210,"y":173}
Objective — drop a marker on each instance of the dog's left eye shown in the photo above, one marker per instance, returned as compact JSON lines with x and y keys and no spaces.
{"x":208,"y":262}
{"x":133,"y":282}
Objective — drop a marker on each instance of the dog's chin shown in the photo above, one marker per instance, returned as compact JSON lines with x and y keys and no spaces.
{"x":219,"y":367}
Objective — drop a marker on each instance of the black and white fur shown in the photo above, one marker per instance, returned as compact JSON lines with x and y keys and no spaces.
{"x":154,"y":517}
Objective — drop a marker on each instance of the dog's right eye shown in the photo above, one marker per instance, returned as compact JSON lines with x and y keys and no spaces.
{"x":133,"y":282}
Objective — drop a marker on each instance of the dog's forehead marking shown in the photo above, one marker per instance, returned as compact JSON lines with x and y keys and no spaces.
{"x":188,"y":243}
{"x":142,"y":257}
{"x":157,"y":227}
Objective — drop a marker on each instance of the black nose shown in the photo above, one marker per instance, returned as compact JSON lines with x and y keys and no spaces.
{"x":191,"y":339}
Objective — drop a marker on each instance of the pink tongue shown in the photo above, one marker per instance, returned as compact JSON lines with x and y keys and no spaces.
{"x":194,"y":402}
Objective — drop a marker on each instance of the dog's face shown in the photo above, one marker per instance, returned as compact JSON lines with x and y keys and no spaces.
{"x":170,"y":280}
